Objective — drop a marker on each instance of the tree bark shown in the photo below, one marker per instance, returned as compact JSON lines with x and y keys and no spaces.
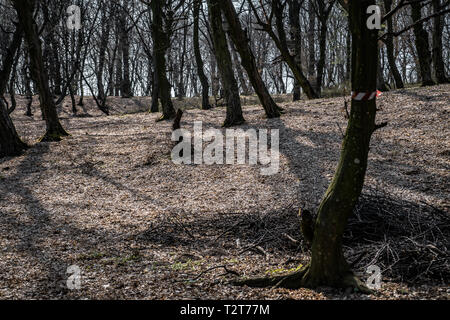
{"x":422,"y":46}
{"x":54,"y":128}
{"x":104,"y":38}
{"x":296,"y":40}
{"x":281,"y":43}
{"x":328,"y":266}
{"x":10,"y":143}
{"x":198,"y":57}
{"x":438,"y":61}
{"x":390,"y":48}
{"x":248,"y":59}
{"x":224,"y":63}
{"x":161,"y":44}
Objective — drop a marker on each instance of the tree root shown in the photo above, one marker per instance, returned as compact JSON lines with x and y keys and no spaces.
{"x":303,"y":279}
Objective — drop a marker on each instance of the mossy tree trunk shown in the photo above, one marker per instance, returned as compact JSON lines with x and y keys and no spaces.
{"x":161,"y":44}
{"x":328,"y":266}
{"x":241,"y":42}
{"x":224,"y":63}
{"x":55,"y":130}
{"x":198,"y":57}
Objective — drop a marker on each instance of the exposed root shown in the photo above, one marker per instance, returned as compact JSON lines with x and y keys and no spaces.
{"x":290,"y":281}
{"x":302,"y":279}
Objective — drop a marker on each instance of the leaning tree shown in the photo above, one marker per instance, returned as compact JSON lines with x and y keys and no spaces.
{"x":39,"y":73}
{"x":328,"y":265}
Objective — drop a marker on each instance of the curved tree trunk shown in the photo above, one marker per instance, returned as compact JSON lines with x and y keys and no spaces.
{"x":198,"y":57}
{"x":224,"y":63}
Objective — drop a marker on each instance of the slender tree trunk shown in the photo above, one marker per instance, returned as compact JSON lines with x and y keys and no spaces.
{"x":381,"y":84}
{"x":224,"y":63}
{"x":281,"y":43}
{"x":438,"y":61}
{"x":181,"y":67}
{"x":322,"y":54}
{"x":348,"y":61}
{"x":390,"y":48}
{"x":155,"y":86}
{"x":104,"y":38}
{"x":248,"y":59}
{"x":245,"y":90}
{"x":161,"y":44}
{"x":422,"y":46}
{"x":296,"y":40}
{"x":311,"y":41}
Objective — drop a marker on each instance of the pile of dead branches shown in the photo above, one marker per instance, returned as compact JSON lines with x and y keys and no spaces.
{"x":408,"y":241}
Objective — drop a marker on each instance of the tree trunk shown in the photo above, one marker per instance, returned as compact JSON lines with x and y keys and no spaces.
{"x":381,"y":84}
{"x":281,"y":43}
{"x":161,"y":44}
{"x":224,"y":63}
{"x":322,"y":53}
{"x":438,"y":61}
{"x":54,"y":129}
{"x":390,"y":48}
{"x":10,"y":143}
{"x":311,"y":41}
{"x":104,"y":38}
{"x":422,"y":46}
{"x":248,"y":59}
{"x":328,"y":266}
{"x":296,"y":40}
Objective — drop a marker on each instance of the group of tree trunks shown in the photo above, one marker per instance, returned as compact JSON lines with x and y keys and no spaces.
{"x":328,"y":265}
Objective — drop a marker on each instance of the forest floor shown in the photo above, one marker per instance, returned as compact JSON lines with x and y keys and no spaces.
{"x":109,"y":200}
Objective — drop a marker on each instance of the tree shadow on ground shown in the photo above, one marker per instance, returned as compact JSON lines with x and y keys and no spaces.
{"x":37,"y":225}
